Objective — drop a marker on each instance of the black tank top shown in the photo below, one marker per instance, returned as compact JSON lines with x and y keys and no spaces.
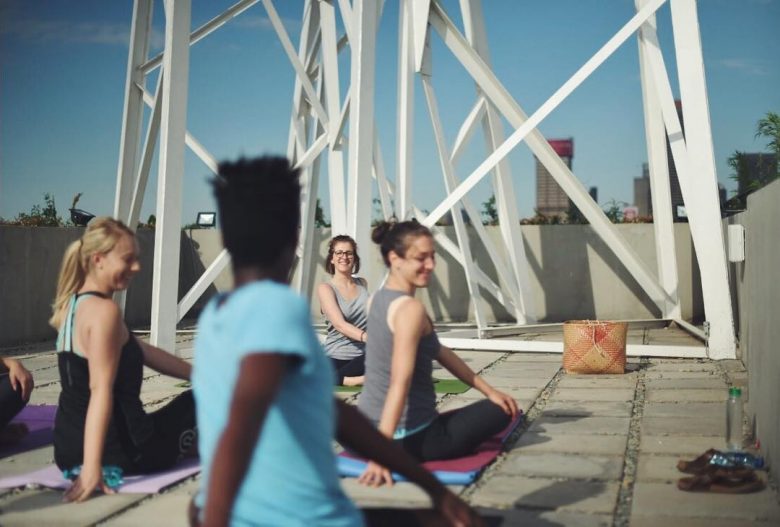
{"x":129,"y":426}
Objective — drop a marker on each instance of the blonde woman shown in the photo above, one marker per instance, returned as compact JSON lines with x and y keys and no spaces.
{"x":343,"y":302}
{"x":101,"y":430}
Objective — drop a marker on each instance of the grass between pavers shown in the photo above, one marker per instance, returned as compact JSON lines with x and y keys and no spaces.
{"x":452,"y":386}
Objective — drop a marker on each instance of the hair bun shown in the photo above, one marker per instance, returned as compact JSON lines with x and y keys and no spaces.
{"x":381,"y":230}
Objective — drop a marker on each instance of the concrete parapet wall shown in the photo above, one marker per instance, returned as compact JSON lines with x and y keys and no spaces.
{"x":573,"y":275}
{"x":756,"y":296}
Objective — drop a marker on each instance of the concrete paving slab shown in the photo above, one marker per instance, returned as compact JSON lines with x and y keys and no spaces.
{"x":523,"y":394}
{"x":46,"y":395}
{"x":500,"y":381}
{"x":682,"y":396}
{"x":734,"y":365}
{"x":677,"y":521}
{"x":569,"y":466}
{"x":681,"y":365}
{"x":27,"y":461}
{"x":534,"y":357}
{"x":650,"y":498}
{"x":45,"y":507}
{"x":542,"y":518}
{"x":574,"y":444}
{"x":711,"y":374}
{"x":712,"y":383}
{"x":573,"y":425}
{"x":678,"y":446}
{"x":567,"y":495}
{"x":712,"y":426}
{"x":659,"y":468}
{"x":401,"y":494}
{"x":690,"y":410}
{"x":593,"y":394}
{"x":164,"y":510}
{"x":597,"y":381}
{"x":588,"y":409}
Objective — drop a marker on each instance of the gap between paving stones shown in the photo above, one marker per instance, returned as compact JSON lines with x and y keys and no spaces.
{"x":625,"y":497}
{"x":532,"y":413}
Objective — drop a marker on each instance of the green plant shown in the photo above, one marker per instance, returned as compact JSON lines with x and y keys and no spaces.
{"x":40,"y":216}
{"x":489,"y":211}
{"x":319,"y":216}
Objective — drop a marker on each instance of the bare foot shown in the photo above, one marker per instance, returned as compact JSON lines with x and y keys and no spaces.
{"x":13,"y":433}
{"x":354,"y":381}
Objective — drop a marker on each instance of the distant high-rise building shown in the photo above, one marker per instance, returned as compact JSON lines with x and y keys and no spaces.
{"x":642,"y":197}
{"x":551,"y":200}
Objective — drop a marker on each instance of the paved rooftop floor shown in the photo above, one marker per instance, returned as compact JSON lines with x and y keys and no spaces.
{"x":593,"y":451}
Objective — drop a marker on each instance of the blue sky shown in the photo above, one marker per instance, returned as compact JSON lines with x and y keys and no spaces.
{"x":63,"y":66}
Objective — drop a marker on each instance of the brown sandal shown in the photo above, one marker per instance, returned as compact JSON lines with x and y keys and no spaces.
{"x":723,"y":481}
{"x":699,"y":465}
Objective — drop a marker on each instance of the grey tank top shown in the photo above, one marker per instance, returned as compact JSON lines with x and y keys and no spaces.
{"x":420,"y":406}
{"x":338,"y":345}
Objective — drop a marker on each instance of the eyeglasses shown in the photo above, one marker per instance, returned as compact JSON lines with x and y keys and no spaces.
{"x":343,"y":254}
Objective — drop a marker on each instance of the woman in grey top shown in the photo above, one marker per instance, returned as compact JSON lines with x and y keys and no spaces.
{"x":398,"y":395}
{"x":343,"y":302}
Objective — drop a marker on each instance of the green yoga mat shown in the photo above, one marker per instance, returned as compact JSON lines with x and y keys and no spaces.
{"x":439,"y":386}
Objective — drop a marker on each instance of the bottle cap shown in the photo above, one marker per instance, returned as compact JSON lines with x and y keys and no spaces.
{"x":735,"y":392}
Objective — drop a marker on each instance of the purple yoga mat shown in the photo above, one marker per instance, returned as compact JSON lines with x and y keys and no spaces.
{"x":51,"y":477}
{"x":40,"y":422}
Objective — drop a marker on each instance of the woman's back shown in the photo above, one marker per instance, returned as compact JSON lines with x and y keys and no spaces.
{"x":292,"y":475}
{"x":420,"y":406}
{"x":129,"y":425}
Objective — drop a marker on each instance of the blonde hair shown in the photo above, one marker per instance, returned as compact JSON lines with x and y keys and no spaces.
{"x":100,"y":237}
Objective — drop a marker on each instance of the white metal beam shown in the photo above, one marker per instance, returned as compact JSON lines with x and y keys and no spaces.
{"x":705,"y":221}
{"x":405,"y":122}
{"x":167,"y":239}
{"x":658,"y":165}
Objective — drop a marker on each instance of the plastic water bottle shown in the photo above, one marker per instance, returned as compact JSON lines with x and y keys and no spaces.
{"x":734,"y":420}
{"x":737,"y":459}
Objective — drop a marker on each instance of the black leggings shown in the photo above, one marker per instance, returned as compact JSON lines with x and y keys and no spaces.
{"x":175,"y":435}
{"x":457,"y":433}
{"x":348,"y":368}
{"x":11,"y":402}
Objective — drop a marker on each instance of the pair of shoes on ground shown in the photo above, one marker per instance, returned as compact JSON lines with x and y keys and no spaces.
{"x":709,"y":476}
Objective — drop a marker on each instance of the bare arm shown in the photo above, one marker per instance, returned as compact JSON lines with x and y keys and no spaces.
{"x":102,"y":349}
{"x":260,"y":377}
{"x":461,"y":370}
{"x":164,"y":362}
{"x":330,"y":307}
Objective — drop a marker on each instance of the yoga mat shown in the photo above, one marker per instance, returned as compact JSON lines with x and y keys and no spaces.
{"x":439,"y":386}
{"x":51,"y":477}
{"x":40,"y":423}
{"x":459,"y":471}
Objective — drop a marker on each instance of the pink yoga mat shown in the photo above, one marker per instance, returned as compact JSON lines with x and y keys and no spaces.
{"x":40,"y":423}
{"x":51,"y":477}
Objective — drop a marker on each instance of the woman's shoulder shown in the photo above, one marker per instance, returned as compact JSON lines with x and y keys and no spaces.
{"x":98,"y":309}
{"x":359,"y":280}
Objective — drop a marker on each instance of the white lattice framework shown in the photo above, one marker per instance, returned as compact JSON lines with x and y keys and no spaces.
{"x":329,"y":123}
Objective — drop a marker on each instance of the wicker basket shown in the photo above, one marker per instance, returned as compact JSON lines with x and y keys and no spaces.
{"x":594,"y":346}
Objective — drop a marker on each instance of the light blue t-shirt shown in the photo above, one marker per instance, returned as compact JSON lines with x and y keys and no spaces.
{"x":292,"y":478}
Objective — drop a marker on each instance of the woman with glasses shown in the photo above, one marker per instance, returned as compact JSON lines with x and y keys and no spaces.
{"x":398,"y":395}
{"x":343,"y":302}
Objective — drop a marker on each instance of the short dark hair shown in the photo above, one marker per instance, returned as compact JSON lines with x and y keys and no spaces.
{"x":259,"y":208}
{"x":394,"y":236}
{"x":341,"y":238}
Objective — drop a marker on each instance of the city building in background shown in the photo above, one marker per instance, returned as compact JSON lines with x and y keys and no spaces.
{"x":642,"y":197}
{"x":678,"y":206}
{"x":551,"y":200}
